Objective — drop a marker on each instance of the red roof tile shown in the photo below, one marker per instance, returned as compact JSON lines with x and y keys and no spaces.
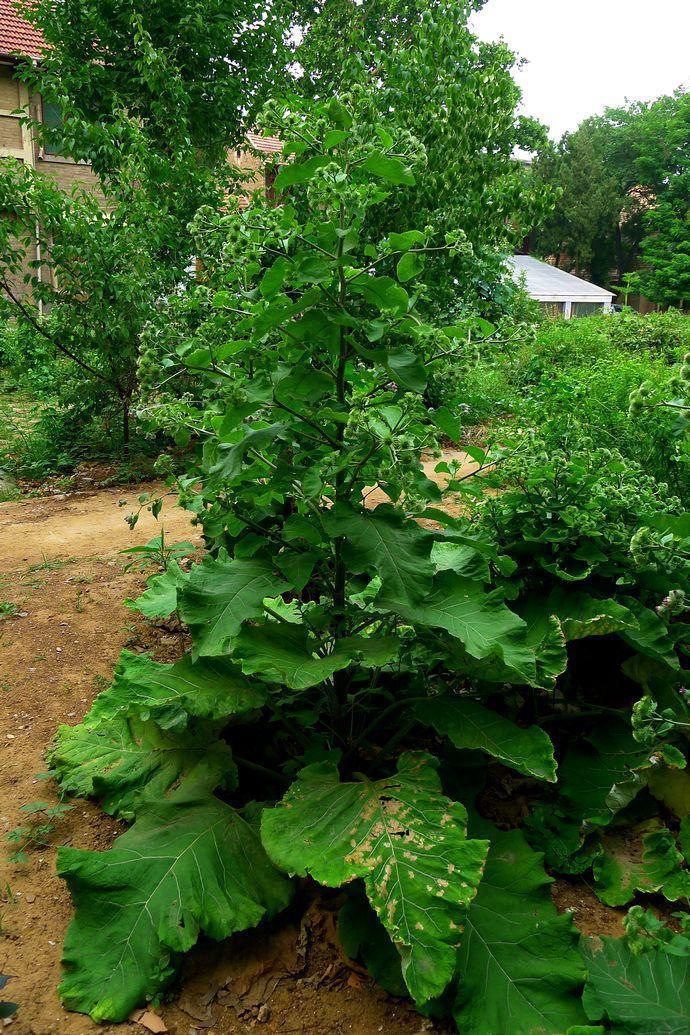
{"x":16,"y":35}
{"x":269,"y":145}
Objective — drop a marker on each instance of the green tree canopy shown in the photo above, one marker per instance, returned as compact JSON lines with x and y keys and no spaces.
{"x":624,"y":179}
{"x":190,"y":73}
{"x":423,"y":66}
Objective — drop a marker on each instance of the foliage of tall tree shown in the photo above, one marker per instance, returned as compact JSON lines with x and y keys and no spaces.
{"x":658,"y":136}
{"x":424,"y":68}
{"x":190,"y":74}
{"x":595,"y":226}
{"x":94,"y":272}
{"x":624,"y":179}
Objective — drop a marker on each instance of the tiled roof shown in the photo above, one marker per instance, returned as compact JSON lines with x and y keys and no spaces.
{"x":16,"y":35}
{"x":269,"y":145}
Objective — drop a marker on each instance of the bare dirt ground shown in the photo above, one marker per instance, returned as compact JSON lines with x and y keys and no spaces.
{"x":61,"y":566}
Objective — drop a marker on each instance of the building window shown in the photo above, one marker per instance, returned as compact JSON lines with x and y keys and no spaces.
{"x":587,"y":308}
{"x":52,"y":121}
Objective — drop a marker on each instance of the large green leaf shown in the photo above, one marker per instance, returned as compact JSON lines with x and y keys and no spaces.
{"x":519,"y":970}
{"x":404,"y":839}
{"x":637,"y":994}
{"x":486,"y":628}
{"x":407,"y":369}
{"x":222,"y":594}
{"x":159,"y":600}
{"x":383,"y":292}
{"x":650,"y":635}
{"x":590,"y":773}
{"x":581,"y":615}
{"x":469,"y":725}
{"x":207,"y":689}
{"x":231,"y":455}
{"x":545,"y":637}
{"x":122,"y":758}
{"x":646,"y":860}
{"x":288,"y":654}
{"x":190,"y":864}
{"x":300,"y":172}
{"x":382,"y":541}
{"x":389,"y":169}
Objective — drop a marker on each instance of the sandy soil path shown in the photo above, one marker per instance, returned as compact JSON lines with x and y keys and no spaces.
{"x":60,"y":564}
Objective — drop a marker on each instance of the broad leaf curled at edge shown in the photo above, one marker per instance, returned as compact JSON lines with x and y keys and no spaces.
{"x":159,"y":599}
{"x":582,"y":615}
{"x":486,"y":628}
{"x":122,"y":758}
{"x":188,"y":865}
{"x":469,"y":725}
{"x":287,"y":654}
{"x":206,"y":689}
{"x":519,"y":970}
{"x":637,"y":994}
{"x":646,"y":860}
{"x":389,"y":169}
{"x":404,"y":839}
{"x":220,"y":595}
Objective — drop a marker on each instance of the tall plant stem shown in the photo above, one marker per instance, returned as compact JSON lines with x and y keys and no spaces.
{"x":340,"y":679}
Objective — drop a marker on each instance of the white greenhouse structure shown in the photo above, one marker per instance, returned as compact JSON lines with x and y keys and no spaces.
{"x":560,"y":293}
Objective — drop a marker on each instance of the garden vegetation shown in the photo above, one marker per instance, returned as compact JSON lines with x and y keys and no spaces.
{"x":432,"y":693}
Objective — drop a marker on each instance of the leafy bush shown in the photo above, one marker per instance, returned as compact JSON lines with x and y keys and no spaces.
{"x":53,"y":417}
{"x":361,"y":673}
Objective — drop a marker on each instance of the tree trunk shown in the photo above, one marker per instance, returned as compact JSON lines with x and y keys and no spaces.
{"x":125,"y":426}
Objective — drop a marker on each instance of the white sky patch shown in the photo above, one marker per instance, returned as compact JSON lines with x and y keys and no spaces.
{"x":586,"y":55}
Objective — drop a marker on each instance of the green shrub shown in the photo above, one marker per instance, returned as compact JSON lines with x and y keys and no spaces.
{"x":361,"y":673}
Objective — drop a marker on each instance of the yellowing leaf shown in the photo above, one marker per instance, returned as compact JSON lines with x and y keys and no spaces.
{"x":404,"y":839}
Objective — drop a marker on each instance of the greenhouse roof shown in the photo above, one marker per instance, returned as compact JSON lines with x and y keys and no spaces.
{"x":548,"y":284}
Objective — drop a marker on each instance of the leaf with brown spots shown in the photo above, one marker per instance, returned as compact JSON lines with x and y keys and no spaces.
{"x":404,"y":839}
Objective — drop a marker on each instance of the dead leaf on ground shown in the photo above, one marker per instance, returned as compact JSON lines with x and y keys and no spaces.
{"x":151,"y":1021}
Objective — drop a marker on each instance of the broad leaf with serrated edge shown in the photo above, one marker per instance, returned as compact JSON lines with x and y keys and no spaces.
{"x":469,"y":725}
{"x":222,"y":594}
{"x":545,"y":637}
{"x":211,"y":688}
{"x":582,"y":615}
{"x":288,"y":654}
{"x":188,"y":865}
{"x":122,"y":758}
{"x":159,"y":600}
{"x":644,"y":860}
{"x":382,"y":541}
{"x":404,"y":839}
{"x":486,"y":628}
{"x":638,"y":994}
{"x":519,"y":970}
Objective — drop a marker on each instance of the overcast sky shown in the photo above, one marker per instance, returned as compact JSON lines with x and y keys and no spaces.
{"x":586,"y":55}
